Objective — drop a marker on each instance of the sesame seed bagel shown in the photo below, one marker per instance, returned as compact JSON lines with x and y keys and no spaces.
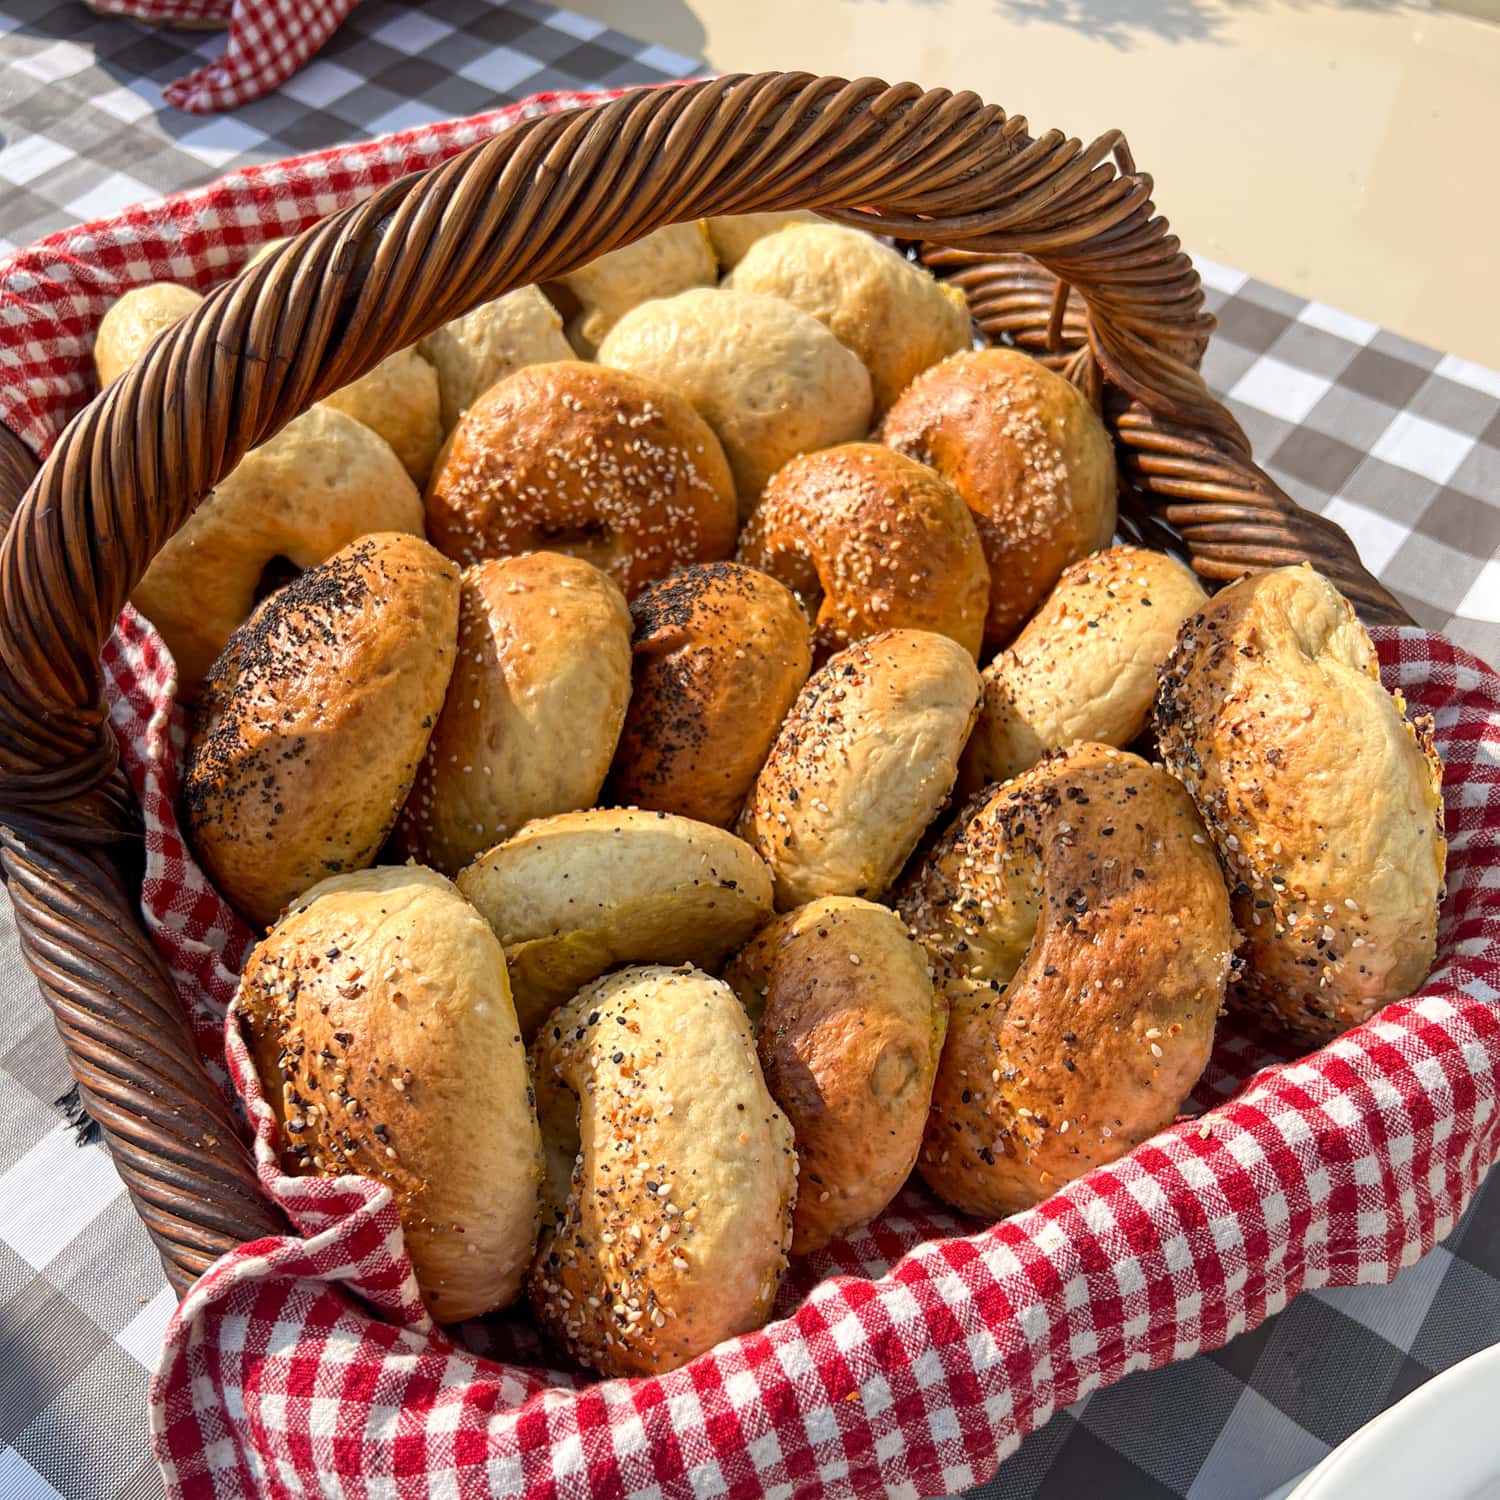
{"x":574,"y":895}
{"x":596,"y":463}
{"x":670,"y":1173}
{"x":1031,"y":460}
{"x":1085,"y":666}
{"x":849,"y":1043}
{"x":385,"y":1039}
{"x":315,"y":719}
{"x":1080,"y":930}
{"x":891,"y":313}
{"x":132,"y":323}
{"x":720,"y":654}
{"x":1324,"y":800}
{"x":863,"y":763}
{"x":870,"y":540}
{"x":769,"y":378}
{"x":533,"y":710}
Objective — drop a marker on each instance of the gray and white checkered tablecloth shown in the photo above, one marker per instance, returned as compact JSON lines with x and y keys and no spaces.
{"x":1397,"y":442}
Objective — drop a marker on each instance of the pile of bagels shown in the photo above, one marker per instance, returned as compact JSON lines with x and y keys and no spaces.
{"x":588,"y":710}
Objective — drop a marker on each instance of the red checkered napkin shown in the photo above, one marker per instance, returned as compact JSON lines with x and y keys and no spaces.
{"x":268,"y":41}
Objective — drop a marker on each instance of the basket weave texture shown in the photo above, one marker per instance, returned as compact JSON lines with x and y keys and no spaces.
{"x":914,"y":1355}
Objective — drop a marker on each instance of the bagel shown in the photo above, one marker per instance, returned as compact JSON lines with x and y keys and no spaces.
{"x":862,"y":765}
{"x":874,"y":301}
{"x":769,"y":378}
{"x":1085,"y":666}
{"x":1080,"y":930}
{"x":670,"y":1173}
{"x":574,"y":895}
{"x":1029,"y":457}
{"x":732,"y":235}
{"x":849,"y":1044}
{"x":133,"y":323}
{"x":315,"y":719}
{"x":1324,"y":800}
{"x":382,"y":1029}
{"x":870,"y":540}
{"x":533,"y":710}
{"x":596,"y":463}
{"x":322,"y":481}
{"x":721,"y":653}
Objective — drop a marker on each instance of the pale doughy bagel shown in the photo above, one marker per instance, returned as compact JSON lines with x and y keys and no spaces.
{"x":1324,"y":800}
{"x":383,"y":1031}
{"x":315,"y":719}
{"x":533,"y":710}
{"x":720,"y":654}
{"x":1085,"y":666}
{"x":670,"y":1173}
{"x":862,"y":765}
{"x":134,"y":322}
{"x":1030,"y":459}
{"x":891,"y":313}
{"x":574,"y":895}
{"x":849,"y":1044}
{"x":870,"y":540}
{"x":322,"y":481}
{"x":769,"y":378}
{"x":1081,"y":932}
{"x":733,"y":234}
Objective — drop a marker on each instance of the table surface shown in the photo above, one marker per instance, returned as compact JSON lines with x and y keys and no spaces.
{"x":1399,"y":443}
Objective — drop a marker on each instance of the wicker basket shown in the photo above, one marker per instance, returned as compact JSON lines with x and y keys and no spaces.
{"x":1056,"y":243}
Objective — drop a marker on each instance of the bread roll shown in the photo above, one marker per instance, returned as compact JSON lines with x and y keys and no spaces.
{"x":670,"y":1174}
{"x":862,"y":765}
{"x":322,"y":481}
{"x":1085,"y":666}
{"x":533,"y":710}
{"x":1324,"y":800}
{"x":849,"y":1045}
{"x":384,"y":1035}
{"x":1080,"y":930}
{"x":870,"y":540}
{"x":721,"y":653}
{"x":132,"y":324}
{"x":1030,"y":459}
{"x":599,"y":464}
{"x":315,"y":719}
{"x":891,"y":313}
{"x":733,"y":234}
{"x":769,"y":379}
{"x":574,"y":895}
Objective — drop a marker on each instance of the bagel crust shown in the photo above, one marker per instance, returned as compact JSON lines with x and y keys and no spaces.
{"x":1080,"y":929}
{"x":670,"y":1173}
{"x":720,"y":654}
{"x":1323,"y":798}
{"x":733,"y":234}
{"x":863,"y":763}
{"x":134,"y":322}
{"x":870,"y":540}
{"x":849,"y":1042}
{"x":315,"y":719}
{"x":596,"y":463}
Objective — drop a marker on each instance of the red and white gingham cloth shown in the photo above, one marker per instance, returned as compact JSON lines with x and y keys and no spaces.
{"x":268,"y":41}
{"x":910,"y":1358}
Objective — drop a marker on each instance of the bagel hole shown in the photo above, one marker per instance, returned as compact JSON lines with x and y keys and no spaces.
{"x":276,"y":574}
{"x":592,"y":543}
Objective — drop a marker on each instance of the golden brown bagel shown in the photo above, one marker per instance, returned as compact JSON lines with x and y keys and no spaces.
{"x":1080,"y":929}
{"x":670,"y":1173}
{"x":1030,"y":459}
{"x":533,"y":710}
{"x":1324,"y":800}
{"x":574,"y":895}
{"x":1085,"y":666}
{"x":733,"y":234}
{"x":132,"y":324}
{"x":849,"y":1044}
{"x":862,"y":765}
{"x":315,"y":718}
{"x":384,"y":1035}
{"x":769,"y":378}
{"x":721,"y":653}
{"x":870,"y":540}
{"x":891,"y":313}
{"x":322,"y":481}
{"x":596,"y":463}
